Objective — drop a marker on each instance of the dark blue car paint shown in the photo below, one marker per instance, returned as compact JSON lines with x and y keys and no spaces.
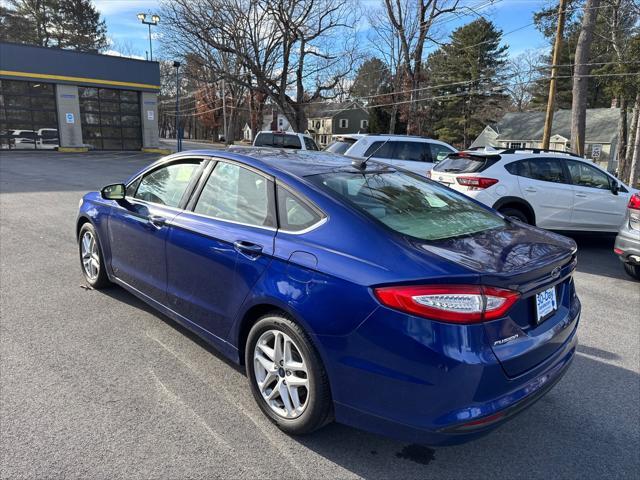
{"x":376,"y":358}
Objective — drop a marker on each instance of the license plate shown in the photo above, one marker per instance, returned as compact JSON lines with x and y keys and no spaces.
{"x":546,"y":303}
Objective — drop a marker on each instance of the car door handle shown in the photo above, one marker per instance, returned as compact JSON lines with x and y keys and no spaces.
{"x":581,"y":195}
{"x":530,"y":189}
{"x":247,"y":249}
{"x":156,"y":220}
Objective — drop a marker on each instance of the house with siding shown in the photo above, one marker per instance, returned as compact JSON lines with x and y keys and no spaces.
{"x":328,"y":119}
{"x":524,"y":130}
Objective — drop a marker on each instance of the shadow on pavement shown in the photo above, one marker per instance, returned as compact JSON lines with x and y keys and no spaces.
{"x":596,"y":257}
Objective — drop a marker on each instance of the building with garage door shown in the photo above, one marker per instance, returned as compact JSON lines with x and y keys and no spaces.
{"x":62,"y":99}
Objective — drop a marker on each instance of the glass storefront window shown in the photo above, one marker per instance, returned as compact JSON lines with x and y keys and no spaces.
{"x":28,"y":117}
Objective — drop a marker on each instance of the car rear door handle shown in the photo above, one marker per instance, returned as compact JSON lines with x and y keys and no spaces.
{"x":530,"y":189}
{"x":157,"y":220}
{"x":581,"y":195}
{"x":247,"y":249}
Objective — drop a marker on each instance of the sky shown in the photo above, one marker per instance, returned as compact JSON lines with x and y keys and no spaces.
{"x":513,"y":17}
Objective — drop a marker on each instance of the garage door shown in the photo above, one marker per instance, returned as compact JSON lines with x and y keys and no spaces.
{"x":110,"y":118}
{"x":28,"y":118}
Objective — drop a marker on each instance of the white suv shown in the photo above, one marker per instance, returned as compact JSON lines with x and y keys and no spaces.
{"x":549,"y":189}
{"x":417,"y":154}
{"x":277,"y":139}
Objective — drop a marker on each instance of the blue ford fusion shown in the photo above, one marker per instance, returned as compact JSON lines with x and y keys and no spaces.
{"x":357,"y":293}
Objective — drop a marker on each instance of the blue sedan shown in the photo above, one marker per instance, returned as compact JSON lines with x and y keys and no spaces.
{"x":353,"y":292}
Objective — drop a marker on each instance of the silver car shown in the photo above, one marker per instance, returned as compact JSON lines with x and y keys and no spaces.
{"x":627,"y":245}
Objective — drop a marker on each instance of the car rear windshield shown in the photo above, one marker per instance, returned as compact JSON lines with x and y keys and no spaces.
{"x":409,"y":204}
{"x":455,"y":164}
{"x":340,"y":147}
{"x":279,"y":140}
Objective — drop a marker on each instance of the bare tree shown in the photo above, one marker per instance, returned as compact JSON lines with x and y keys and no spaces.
{"x":580,"y":81}
{"x":523,"y":71}
{"x":401,"y":14}
{"x":293,"y":52}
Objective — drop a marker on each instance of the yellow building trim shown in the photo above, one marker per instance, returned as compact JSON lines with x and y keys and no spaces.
{"x":46,"y":76}
{"x":161,"y":151}
{"x":73,"y":149}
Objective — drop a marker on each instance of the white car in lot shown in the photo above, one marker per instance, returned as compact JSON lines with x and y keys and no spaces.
{"x":552,"y":190}
{"x":417,"y":154}
{"x":278,"y":139}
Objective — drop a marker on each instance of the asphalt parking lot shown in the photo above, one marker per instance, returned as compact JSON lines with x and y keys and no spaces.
{"x":97,"y":385}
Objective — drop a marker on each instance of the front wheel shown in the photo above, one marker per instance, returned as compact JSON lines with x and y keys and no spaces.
{"x":286,"y":375}
{"x":632,"y":270}
{"x":91,"y":259}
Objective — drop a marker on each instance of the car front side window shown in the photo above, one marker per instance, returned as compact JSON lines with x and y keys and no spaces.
{"x":166,"y":185}
{"x":237,"y":194}
{"x":587,"y":176}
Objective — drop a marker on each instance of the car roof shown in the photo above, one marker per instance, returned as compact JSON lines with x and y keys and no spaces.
{"x":276,"y":161}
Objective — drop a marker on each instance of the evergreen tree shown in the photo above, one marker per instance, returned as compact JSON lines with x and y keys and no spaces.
{"x":372,"y":78}
{"x":73,"y":24}
{"x":472,"y":66}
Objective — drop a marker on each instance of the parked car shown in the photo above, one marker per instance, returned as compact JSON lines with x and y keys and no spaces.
{"x":47,"y":138}
{"x":23,"y":139}
{"x":417,"y":154}
{"x":552,"y":190}
{"x":276,"y":139}
{"x":341,"y":143}
{"x":627,"y":245}
{"x":364,"y":294}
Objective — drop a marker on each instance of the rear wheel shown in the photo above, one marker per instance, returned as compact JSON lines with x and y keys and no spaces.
{"x":515,"y":214}
{"x":91,"y":259}
{"x":632,"y":270}
{"x":286,"y":375}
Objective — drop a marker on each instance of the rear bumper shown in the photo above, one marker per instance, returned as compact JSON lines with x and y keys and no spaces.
{"x":628,"y":242}
{"x":434,"y":386}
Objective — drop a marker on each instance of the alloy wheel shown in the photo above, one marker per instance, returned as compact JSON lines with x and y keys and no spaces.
{"x":90,"y":256}
{"x":281,"y":374}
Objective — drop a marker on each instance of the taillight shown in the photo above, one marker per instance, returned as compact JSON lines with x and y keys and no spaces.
{"x":476,"y":182}
{"x":634,"y":202}
{"x":449,"y":303}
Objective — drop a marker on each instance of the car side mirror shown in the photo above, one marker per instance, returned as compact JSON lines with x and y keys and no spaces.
{"x":615,"y":188}
{"x":116,"y":191}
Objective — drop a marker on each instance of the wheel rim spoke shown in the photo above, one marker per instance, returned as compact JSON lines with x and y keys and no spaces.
{"x":90,"y":256}
{"x":281,"y":374}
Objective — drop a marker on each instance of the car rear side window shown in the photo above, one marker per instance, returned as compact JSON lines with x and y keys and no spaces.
{"x":439,"y":152}
{"x":339,"y":147}
{"x":380,"y":149}
{"x":166,"y":185}
{"x":409,"y":204}
{"x":413,"y":151}
{"x":310,"y":144}
{"x":543,"y":169}
{"x":294,"y":214}
{"x":237,"y":194}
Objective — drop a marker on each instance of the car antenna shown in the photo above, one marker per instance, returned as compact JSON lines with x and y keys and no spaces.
{"x":362,"y":164}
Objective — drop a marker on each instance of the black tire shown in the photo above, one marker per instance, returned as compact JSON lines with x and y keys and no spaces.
{"x":632,"y":270}
{"x":515,"y":214}
{"x":101,"y":280}
{"x":318,"y":410}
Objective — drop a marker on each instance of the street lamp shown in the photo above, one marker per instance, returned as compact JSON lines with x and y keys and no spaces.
{"x":176,"y":65}
{"x":155,"y":19}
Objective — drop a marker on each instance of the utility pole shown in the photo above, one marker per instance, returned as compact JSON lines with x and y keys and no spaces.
{"x":176,"y":64}
{"x":548,"y":121}
{"x":224,"y":113}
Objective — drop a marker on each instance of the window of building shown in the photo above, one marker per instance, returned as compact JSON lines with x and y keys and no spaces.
{"x":517,"y":145}
{"x":364,"y":124}
{"x":28,"y":117}
{"x":344,"y":123}
{"x":110,"y":118}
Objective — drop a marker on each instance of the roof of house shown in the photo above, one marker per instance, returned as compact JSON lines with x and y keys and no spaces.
{"x":324,"y":110}
{"x":601,"y":127}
